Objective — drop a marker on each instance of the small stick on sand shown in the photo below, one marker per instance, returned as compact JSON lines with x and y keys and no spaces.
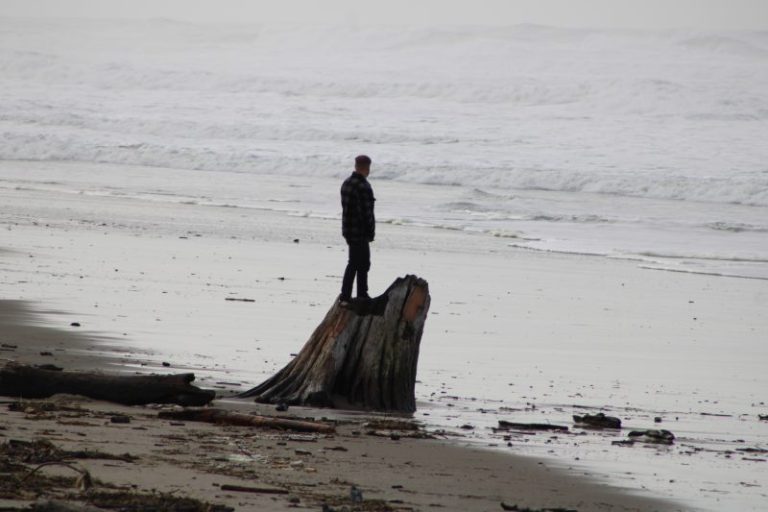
{"x":259,"y":490}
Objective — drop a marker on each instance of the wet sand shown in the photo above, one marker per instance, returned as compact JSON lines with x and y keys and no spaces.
{"x":195,"y":459}
{"x":512,"y":334}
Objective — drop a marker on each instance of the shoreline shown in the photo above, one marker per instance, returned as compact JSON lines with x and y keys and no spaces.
{"x":406,"y":474}
{"x":550,"y":334}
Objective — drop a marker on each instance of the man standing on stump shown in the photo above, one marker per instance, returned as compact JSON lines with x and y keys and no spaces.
{"x":358,"y":226}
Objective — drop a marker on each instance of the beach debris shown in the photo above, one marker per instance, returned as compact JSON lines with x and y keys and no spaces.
{"x":42,"y":450}
{"x":238,"y":299}
{"x":598,"y":420}
{"x":62,"y":506}
{"x":75,"y":324}
{"x":752,"y":450}
{"x":762,"y":417}
{"x":302,"y":438}
{"x":49,"y":367}
{"x":660,"y":436}
{"x":120,"y":418}
{"x":46,"y":353}
{"x":30,"y":382}
{"x":138,"y":501}
{"x":222,"y":417}
{"x":467,"y":426}
{"x":395,"y":429}
{"x":329,"y":369}
{"x":517,"y":508}
{"x":256,"y":490}
{"x":9,"y":346}
{"x":355,"y":494}
{"x":657,"y":419}
{"x":281,"y":406}
{"x":509,"y":425}
{"x":388,"y":424}
{"x":38,"y":407}
{"x":397,"y":435}
{"x":83,"y":482}
{"x":166,"y":364}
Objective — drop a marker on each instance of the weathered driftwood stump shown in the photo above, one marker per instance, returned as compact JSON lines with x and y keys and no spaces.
{"x":361,"y":356}
{"x":20,"y":381}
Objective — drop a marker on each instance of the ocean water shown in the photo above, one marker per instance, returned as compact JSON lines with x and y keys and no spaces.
{"x":642,"y":145}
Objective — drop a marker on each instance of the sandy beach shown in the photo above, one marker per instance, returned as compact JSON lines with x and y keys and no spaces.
{"x":513,"y":335}
{"x":195,"y":460}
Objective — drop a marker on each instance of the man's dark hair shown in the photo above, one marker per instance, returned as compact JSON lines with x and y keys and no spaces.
{"x":362,"y":161}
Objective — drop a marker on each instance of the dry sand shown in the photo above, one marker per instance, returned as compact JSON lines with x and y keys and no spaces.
{"x":195,"y":459}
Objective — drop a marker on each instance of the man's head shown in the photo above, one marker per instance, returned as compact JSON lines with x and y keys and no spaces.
{"x":363,"y":165}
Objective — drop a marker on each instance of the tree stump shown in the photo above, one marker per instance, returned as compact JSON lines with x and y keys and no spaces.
{"x":361,"y":356}
{"x":21,"y":381}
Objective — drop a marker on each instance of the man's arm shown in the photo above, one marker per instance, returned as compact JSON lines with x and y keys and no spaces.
{"x":366,"y":210}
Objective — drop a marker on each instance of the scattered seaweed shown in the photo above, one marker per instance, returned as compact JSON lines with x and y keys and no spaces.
{"x":127,"y":501}
{"x":42,"y":450}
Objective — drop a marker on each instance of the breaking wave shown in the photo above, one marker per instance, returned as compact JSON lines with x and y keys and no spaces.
{"x":503,"y":109}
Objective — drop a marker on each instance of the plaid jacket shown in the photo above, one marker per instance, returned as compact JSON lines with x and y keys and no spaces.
{"x":358,"y":223}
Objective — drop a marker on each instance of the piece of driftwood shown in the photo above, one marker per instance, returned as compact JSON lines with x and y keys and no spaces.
{"x":221,"y":417}
{"x":363,"y":355}
{"x":599,"y":420}
{"x":256,"y":490}
{"x":509,"y":425}
{"x":21,"y":381}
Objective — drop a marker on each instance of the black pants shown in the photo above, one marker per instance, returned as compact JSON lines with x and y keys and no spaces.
{"x":358,"y":265}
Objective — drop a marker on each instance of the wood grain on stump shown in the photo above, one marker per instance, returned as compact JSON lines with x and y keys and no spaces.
{"x":360,"y":356}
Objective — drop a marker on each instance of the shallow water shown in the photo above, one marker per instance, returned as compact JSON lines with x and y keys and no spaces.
{"x":635,"y":144}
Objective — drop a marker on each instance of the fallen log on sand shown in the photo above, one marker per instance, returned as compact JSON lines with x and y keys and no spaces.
{"x":221,"y":417}
{"x":509,"y":425}
{"x":21,"y":381}
{"x":362,"y":356}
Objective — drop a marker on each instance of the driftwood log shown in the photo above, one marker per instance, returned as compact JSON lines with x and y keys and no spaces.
{"x":221,"y":417}
{"x":21,"y":381}
{"x":360,"y":356}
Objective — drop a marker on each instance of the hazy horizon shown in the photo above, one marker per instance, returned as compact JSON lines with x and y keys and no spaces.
{"x":598,"y":14}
